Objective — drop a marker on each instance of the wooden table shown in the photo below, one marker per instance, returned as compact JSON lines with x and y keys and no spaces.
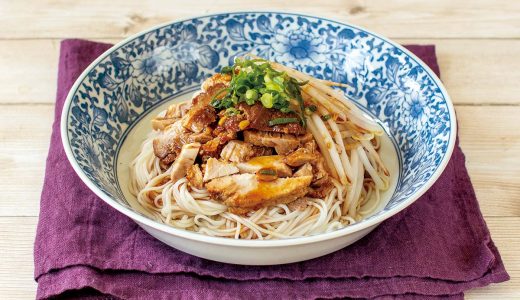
{"x":477,"y":43}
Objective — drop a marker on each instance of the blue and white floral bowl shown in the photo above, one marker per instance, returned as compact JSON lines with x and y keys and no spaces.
{"x":136,"y":76}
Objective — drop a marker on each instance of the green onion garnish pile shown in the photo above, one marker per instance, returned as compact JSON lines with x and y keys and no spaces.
{"x":254,"y":80}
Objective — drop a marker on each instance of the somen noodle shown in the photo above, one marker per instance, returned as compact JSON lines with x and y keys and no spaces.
{"x":169,"y":180}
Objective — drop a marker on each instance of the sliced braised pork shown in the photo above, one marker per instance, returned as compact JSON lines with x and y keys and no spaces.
{"x":239,"y":151}
{"x":282,"y":143}
{"x":201,"y":113}
{"x":216,"y":168}
{"x":259,"y":118}
{"x":306,"y":138}
{"x":245,"y":191}
{"x":184,"y":161}
{"x":272,"y":162}
{"x":214,"y":147}
{"x":216,"y":79}
{"x":305,"y":170}
{"x":201,"y":137}
{"x":170,"y":116}
{"x":161,"y":123}
{"x":321,"y":182}
{"x":320,"y":172}
{"x":300,"y":157}
{"x":194,"y":176}
{"x":169,"y":143}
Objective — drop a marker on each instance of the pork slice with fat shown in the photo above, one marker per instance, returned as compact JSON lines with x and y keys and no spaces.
{"x":246,"y":191}
{"x":282,"y":143}
{"x":271,"y":162}
{"x":185,"y":160}
{"x":239,"y":151}
{"x":216,"y":168}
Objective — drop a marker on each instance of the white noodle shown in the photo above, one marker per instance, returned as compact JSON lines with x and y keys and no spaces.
{"x":346,"y":144}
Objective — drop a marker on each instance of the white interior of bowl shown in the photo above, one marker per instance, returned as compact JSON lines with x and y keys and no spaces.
{"x":84,"y":104}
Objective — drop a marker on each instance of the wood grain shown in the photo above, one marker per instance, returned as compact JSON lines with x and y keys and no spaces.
{"x":16,"y":261}
{"x":32,"y":71}
{"x":466,"y":81}
{"x":490,"y":139}
{"x":482,"y":72}
{"x":405,"y":19}
{"x":25,"y":134}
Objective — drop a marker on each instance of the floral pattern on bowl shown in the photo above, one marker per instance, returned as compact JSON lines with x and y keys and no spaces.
{"x":138,"y":74}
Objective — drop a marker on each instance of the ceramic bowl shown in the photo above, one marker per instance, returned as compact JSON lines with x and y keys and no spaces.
{"x":105,"y":116}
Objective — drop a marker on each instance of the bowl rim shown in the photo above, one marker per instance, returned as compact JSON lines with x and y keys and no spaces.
{"x":142,"y":220}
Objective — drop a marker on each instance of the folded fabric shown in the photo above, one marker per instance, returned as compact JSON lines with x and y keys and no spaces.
{"x":438,"y":247}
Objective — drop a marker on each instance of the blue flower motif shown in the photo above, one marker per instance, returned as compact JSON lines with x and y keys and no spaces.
{"x":91,"y":150}
{"x":207,"y":57}
{"x":185,"y":53}
{"x":191,"y":54}
{"x":149,"y":67}
{"x":355,"y":62}
{"x":300,"y":46}
{"x":417,"y":110}
{"x":410,"y":84}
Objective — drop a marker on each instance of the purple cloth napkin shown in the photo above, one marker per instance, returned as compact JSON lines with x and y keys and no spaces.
{"x":438,"y":247}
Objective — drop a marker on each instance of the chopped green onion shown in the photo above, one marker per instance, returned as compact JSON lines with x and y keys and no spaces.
{"x":267,"y":100}
{"x":286,"y":110}
{"x":227,"y":70}
{"x":232,"y":111}
{"x":280,"y":121}
{"x":279,"y":80}
{"x":310,"y":109}
{"x":215,"y":103}
{"x":326,"y":117}
{"x":273,"y":86}
{"x":221,"y":102}
{"x":241,"y":90}
{"x":267,"y":172}
{"x":254,"y":80}
{"x":251,"y":95}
